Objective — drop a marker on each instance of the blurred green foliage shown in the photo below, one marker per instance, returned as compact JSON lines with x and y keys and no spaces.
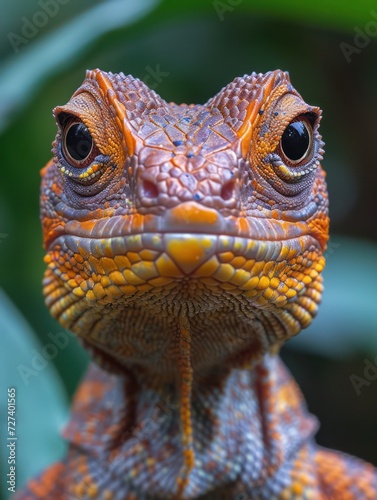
{"x":41,"y":407}
{"x":195,"y":47}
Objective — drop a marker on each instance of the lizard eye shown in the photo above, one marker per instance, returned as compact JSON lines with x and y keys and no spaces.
{"x":77,"y":144}
{"x":297,"y":141}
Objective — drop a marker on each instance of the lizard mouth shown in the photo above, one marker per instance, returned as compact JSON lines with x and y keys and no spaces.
{"x":155,"y":259}
{"x":188,"y":235}
{"x":116,"y":257}
{"x":90,"y":281}
{"x":120,"y":255}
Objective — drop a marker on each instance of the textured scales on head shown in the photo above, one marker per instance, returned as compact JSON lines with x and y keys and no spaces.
{"x":186,"y":243}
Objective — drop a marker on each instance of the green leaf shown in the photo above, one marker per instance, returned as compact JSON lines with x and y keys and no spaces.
{"x":335,"y":14}
{"x":46,"y":55}
{"x":41,"y":403}
{"x":56,"y":51}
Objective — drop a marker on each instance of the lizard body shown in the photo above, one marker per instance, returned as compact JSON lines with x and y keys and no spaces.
{"x":184,"y":246}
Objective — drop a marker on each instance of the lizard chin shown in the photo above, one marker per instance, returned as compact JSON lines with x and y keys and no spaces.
{"x":238,"y":298}
{"x":184,"y":337}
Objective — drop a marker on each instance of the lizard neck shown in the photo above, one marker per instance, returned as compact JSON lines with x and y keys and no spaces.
{"x":187,"y":372}
{"x":136,"y":429}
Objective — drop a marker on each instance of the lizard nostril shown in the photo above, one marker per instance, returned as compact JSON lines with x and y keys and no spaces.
{"x":228,"y":190}
{"x":149,"y":189}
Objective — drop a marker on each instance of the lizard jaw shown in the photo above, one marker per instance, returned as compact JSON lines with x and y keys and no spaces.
{"x":158,"y":277}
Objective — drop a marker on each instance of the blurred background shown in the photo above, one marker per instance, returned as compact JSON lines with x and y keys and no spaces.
{"x":187,"y":51}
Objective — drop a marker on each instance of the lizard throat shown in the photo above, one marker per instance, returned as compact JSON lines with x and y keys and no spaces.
{"x":126,"y":297}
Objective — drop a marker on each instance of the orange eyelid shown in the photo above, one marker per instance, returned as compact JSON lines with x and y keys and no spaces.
{"x":247,"y":128}
{"x":250,"y":120}
{"x":119,"y":108}
{"x":121,"y":115}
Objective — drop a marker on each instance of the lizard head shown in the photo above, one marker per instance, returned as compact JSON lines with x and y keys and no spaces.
{"x":188,"y":235}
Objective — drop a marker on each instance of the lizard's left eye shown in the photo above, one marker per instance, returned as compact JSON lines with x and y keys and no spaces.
{"x":296,"y":141}
{"x":77,"y":144}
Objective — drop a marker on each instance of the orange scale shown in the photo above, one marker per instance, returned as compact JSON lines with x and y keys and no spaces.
{"x":128,"y":289}
{"x":264,"y":283}
{"x":92,"y":490}
{"x":167,"y":268}
{"x":208,"y":268}
{"x":297,"y":488}
{"x":91,"y":296}
{"x":258,"y":268}
{"x":72,"y":283}
{"x":145,"y":287}
{"x":269,"y":268}
{"x":249,"y":264}
{"x":145,"y":270}
{"x":226,"y":257}
{"x":117,"y":278}
{"x":122,"y":262}
{"x":160,"y":281}
{"x":307,"y":280}
{"x":150,"y":255}
{"x":78,"y":292}
{"x":133,"y":257}
{"x":240,"y":277}
{"x":95,"y":264}
{"x":238,"y":262}
{"x":77,"y":490}
{"x":224,"y":272}
{"x":281,"y":300}
{"x":292,"y":254}
{"x":131,"y":278}
{"x":98,"y":291}
{"x":268,"y":294}
{"x":105,"y":281}
{"x":108,"y":264}
{"x":274,"y":282}
{"x":78,"y":258}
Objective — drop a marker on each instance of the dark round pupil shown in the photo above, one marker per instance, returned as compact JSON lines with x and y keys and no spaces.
{"x":79,"y":142}
{"x":295,"y":141}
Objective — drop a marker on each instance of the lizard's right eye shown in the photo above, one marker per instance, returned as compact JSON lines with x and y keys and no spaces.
{"x":297,"y":141}
{"x":77,"y":144}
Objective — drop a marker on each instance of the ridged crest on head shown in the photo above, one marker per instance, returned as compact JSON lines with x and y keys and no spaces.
{"x":240,"y":101}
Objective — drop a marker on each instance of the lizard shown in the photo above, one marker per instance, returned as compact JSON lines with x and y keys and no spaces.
{"x":184,"y":246}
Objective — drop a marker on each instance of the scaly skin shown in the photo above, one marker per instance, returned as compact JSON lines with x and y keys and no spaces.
{"x":183,"y":250}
